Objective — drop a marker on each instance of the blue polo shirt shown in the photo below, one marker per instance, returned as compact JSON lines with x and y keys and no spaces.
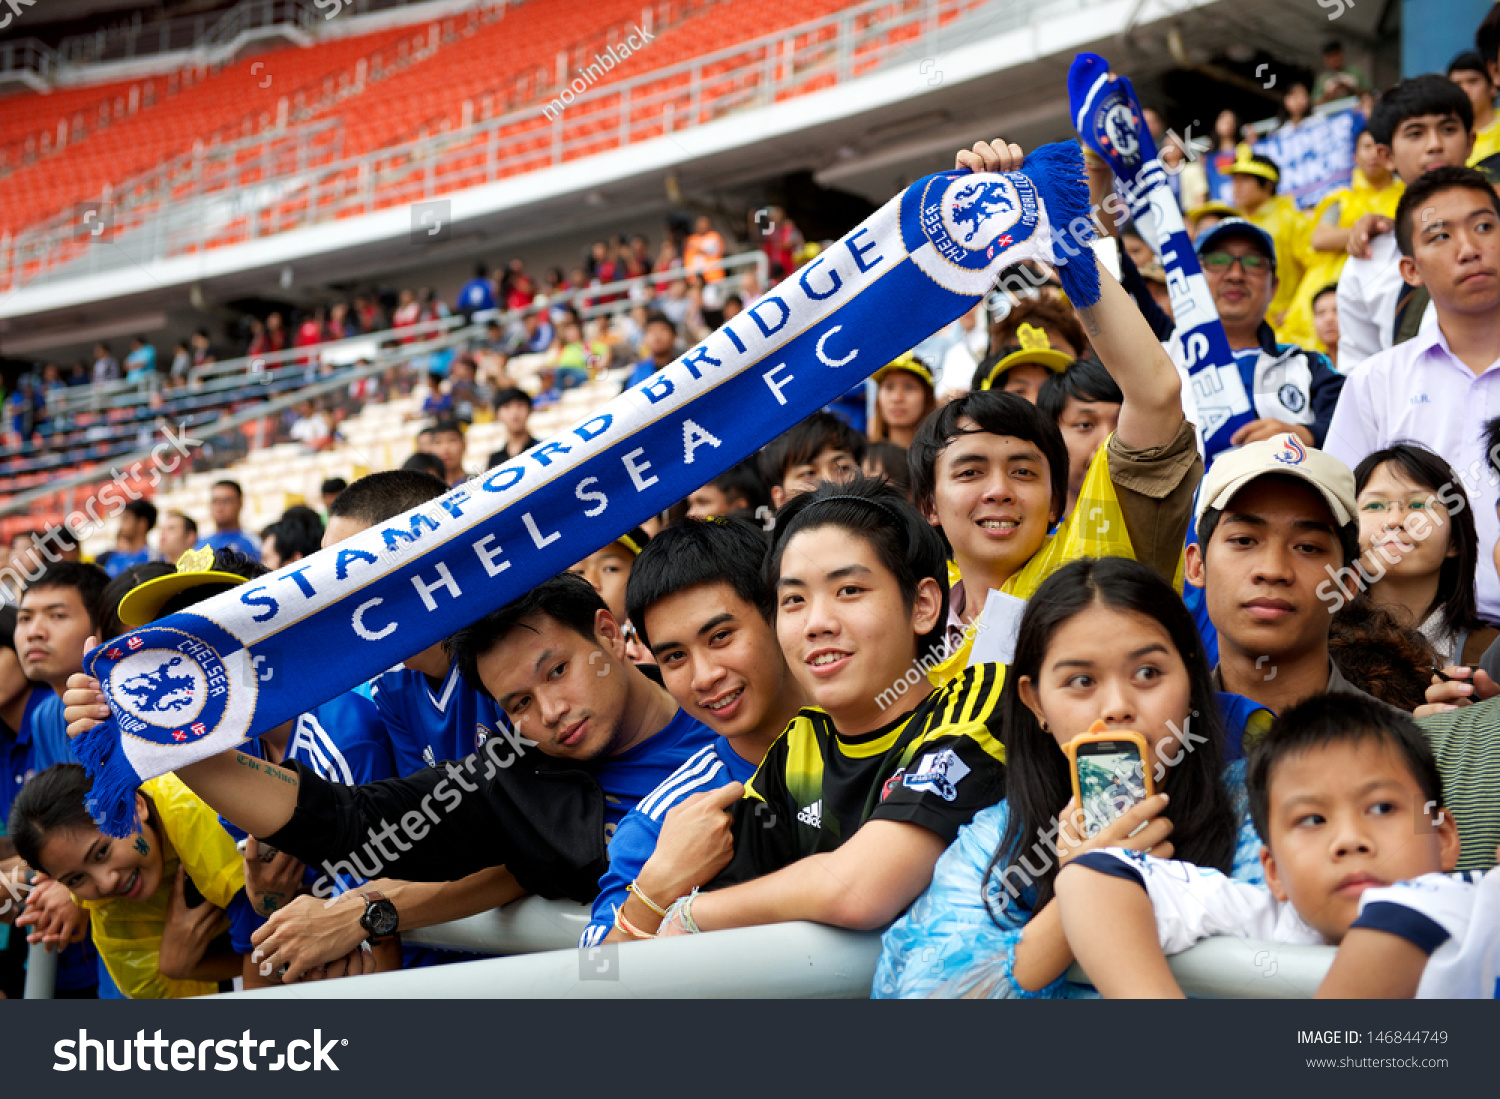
{"x":231,"y":539}
{"x":635,"y":839}
{"x":118,"y":562}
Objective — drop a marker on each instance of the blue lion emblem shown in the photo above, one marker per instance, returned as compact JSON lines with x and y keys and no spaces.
{"x":978,"y":202}
{"x":157,"y":691}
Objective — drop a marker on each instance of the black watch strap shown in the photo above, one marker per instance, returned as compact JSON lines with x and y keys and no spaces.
{"x":379,"y":919}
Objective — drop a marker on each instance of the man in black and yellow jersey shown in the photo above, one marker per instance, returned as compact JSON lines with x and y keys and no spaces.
{"x":845,"y":818}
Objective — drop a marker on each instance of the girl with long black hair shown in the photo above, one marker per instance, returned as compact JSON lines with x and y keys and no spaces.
{"x":1102,"y":640}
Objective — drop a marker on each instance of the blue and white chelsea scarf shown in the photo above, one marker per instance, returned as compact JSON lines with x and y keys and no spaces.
{"x":1110,"y":122}
{"x":191,"y":685}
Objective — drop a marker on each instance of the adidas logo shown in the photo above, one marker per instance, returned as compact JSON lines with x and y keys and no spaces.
{"x":812,"y":816}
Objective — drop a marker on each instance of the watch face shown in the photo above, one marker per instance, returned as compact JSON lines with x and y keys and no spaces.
{"x":380,"y":918}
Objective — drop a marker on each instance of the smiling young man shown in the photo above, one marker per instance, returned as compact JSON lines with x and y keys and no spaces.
{"x":1441,"y":386}
{"x":707,"y":615}
{"x":605,"y":736}
{"x":991,"y":471}
{"x":1421,"y":124}
{"x":1276,"y":524}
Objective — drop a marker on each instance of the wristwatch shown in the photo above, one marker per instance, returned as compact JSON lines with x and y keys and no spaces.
{"x":380,"y":917}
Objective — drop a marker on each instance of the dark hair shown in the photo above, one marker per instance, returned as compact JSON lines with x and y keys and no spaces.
{"x":700,"y":551}
{"x":804,"y":441}
{"x":121,"y":586}
{"x":658,"y":317}
{"x":1455,"y":592}
{"x":51,"y":801}
{"x":1487,"y":37}
{"x":1331,"y":45}
{"x":428,"y":465}
{"x":333,"y":486}
{"x":144,"y":510}
{"x":1331,"y":288}
{"x":1326,"y":719}
{"x":868,"y":507}
{"x":227,"y":483}
{"x":893,"y":466}
{"x":567,"y":599}
{"x":8,"y":625}
{"x":87,"y":580}
{"x":1043,"y":313}
{"x":743,"y":479}
{"x":1414,"y":97}
{"x":225,"y":560}
{"x":1037,"y":778}
{"x":1491,"y":433}
{"x":1379,"y":655}
{"x":993,"y":412}
{"x":511,"y":395}
{"x":1469,"y":61}
{"x":188,"y":522}
{"x":1449,"y":177}
{"x":380,"y":496}
{"x":446,"y":426}
{"x":298,"y":531}
{"x":1083,"y":380}
{"x":1348,"y":534}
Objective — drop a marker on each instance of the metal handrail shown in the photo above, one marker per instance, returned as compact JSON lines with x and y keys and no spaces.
{"x":787,"y":960}
{"x":618,"y":114}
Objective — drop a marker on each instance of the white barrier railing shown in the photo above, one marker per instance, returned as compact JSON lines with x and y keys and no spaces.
{"x":791,"y":960}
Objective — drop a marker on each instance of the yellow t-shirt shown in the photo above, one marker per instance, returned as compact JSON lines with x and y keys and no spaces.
{"x":1322,"y":268}
{"x":128,"y":933}
{"x":1096,"y":528}
{"x":1486,"y":142}
{"x":1288,"y":227}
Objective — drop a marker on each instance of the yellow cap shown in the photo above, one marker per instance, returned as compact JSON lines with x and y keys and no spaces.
{"x":1213,"y":206}
{"x":1035,"y":348}
{"x":194,"y":569}
{"x":1245,"y":164}
{"x":909,"y":363}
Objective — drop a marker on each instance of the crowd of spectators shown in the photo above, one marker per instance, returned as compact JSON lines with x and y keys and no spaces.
{"x":1299,"y":632}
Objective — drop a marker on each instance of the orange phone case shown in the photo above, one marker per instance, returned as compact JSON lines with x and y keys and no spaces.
{"x":1096,"y":733}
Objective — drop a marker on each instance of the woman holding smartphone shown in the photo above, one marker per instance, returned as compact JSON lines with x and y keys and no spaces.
{"x":1101,"y":641}
{"x":156,"y":899}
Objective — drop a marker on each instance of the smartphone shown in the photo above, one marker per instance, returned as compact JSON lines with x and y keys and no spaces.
{"x":1109,"y":776}
{"x":267,"y":852}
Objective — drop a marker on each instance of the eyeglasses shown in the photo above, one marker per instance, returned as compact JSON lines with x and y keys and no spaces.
{"x":1386,"y":507}
{"x":1252,"y":263}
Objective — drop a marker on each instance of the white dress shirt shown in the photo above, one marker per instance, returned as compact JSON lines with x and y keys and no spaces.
{"x":1419,"y":391}
{"x":1367,"y":296}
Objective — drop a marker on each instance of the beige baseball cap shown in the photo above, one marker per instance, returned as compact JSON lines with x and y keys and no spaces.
{"x":1287,"y":455}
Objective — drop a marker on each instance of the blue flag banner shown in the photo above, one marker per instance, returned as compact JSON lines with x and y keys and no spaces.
{"x":187,"y":686}
{"x":1315,"y":158}
{"x":1110,"y":122}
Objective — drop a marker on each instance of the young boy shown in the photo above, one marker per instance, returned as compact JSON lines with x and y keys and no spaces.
{"x":1084,"y":402}
{"x":705,"y":611}
{"x":608,"y":571}
{"x":1346,"y":797}
{"x":820,"y":448}
{"x":1470,"y":73}
{"x":1422,"y":123}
